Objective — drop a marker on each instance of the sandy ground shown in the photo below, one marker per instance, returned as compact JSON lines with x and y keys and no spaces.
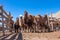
{"x":6,"y":33}
{"x":42,"y":36}
{"x":39,"y":36}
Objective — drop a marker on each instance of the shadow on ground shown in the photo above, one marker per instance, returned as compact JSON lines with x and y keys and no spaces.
{"x":20,"y":36}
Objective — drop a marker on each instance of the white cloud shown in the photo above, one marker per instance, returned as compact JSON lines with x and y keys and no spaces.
{"x":20,"y":15}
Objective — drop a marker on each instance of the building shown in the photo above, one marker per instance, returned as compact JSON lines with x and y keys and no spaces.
{"x":54,"y":22}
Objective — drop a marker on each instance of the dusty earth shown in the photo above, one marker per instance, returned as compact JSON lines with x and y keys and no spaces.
{"x":42,"y":36}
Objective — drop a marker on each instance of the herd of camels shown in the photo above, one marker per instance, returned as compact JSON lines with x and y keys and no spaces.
{"x":32,"y":23}
{"x":25,"y":23}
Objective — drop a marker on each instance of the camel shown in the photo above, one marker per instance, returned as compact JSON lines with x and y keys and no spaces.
{"x":45,"y":23}
{"x":22,"y":26}
{"x":16,"y":25}
{"x":30,"y":23}
{"x":41,"y":23}
{"x":38,"y":22}
{"x":25,"y":20}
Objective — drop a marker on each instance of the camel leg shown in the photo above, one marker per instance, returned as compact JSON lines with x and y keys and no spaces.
{"x":27,"y":29}
{"x":30,"y":29}
{"x":15,"y":30}
{"x":34,"y":29}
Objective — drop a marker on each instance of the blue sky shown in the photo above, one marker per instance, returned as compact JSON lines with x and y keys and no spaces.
{"x":34,"y":7}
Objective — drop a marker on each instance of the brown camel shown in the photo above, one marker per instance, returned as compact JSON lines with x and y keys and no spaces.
{"x":38,"y":22}
{"x":45,"y":23}
{"x":16,"y":25}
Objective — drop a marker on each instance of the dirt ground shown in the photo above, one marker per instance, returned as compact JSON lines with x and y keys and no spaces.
{"x":42,"y":36}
